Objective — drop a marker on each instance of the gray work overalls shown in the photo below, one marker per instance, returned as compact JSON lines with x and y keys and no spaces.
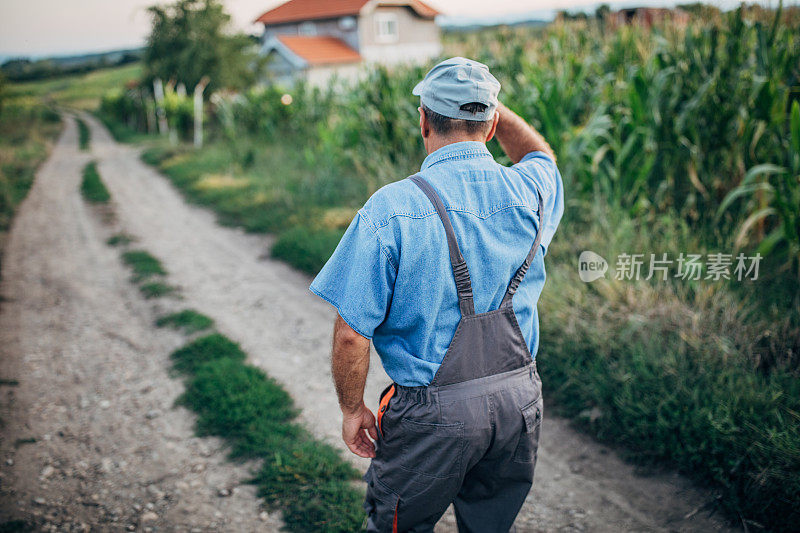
{"x":469,"y":438}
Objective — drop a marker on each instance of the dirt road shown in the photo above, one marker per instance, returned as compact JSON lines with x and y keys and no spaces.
{"x":92,"y":370}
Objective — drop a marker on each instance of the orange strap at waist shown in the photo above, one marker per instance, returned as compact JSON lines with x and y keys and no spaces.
{"x":383,"y":405}
{"x":396,"y":509}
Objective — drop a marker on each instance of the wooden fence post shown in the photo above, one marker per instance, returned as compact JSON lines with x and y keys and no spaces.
{"x":158,"y":92}
{"x":198,"y":111}
{"x":150,"y":116}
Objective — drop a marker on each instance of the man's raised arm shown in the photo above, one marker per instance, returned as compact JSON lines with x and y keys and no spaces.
{"x":517,"y":137}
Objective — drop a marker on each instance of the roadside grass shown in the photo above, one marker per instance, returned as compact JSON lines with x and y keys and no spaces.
{"x":92,"y":186}
{"x":188,"y":320}
{"x":84,"y":135}
{"x":27,"y":133}
{"x":305,"y":248}
{"x":306,"y":479}
{"x":266,"y":196}
{"x":143,"y":265}
{"x":673,"y":372}
{"x":275,"y":195}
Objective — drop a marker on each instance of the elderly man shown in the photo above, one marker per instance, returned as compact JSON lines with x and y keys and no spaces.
{"x":442,"y":271}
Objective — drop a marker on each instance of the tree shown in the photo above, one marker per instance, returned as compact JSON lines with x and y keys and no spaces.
{"x":188,"y":40}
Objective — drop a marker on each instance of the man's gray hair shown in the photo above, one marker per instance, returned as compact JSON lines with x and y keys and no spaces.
{"x":442,"y":125}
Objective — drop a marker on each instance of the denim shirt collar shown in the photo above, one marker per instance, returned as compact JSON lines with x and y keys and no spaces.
{"x":459,"y":150}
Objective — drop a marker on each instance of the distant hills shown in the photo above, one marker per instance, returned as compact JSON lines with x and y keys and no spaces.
{"x":26,"y":69}
{"x":539,"y":17}
{"x":470,"y":25}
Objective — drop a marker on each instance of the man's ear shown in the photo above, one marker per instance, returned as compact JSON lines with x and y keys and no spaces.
{"x":424,"y":128}
{"x":492,"y":131}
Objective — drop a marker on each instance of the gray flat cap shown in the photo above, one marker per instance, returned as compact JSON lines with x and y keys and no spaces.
{"x":458,"y":81}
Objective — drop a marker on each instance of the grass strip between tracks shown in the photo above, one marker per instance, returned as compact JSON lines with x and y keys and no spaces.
{"x":92,"y":187}
{"x":305,"y":478}
{"x":188,"y":321}
{"x":84,"y":135}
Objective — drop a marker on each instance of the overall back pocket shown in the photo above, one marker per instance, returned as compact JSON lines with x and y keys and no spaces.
{"x":432,"y":450}
{"x":528,"y":446}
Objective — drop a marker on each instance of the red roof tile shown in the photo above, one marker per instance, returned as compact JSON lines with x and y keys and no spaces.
{"x":421,"y":8}
{"x":320,"y":50}
{"x":299,"y":10}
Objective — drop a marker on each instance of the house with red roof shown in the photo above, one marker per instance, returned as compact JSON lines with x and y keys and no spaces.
{"x":317,"y":39}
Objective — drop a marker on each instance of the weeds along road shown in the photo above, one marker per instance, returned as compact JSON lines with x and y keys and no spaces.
{"x":91,"y":367}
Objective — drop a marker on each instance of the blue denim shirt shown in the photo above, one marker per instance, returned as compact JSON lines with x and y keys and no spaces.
{"x":390,"y":276}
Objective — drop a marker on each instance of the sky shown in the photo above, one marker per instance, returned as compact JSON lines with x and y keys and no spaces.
{"x":58,"y":27}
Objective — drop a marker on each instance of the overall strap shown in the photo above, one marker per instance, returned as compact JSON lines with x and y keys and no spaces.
{"x":460,"y":271}
{"x":523,"y":269}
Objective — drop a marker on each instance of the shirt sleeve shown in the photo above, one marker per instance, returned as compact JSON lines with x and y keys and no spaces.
{"x":359,"y":277}
{"x":542,"y":170}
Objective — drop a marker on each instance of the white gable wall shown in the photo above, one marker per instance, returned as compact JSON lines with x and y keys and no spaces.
{"x":418,"y":39}
{"x":322,"y":76}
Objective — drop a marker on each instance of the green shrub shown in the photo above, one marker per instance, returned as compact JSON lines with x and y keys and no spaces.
{"x":124,"y":113}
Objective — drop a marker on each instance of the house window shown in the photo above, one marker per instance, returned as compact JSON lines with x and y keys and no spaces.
{"x":307,"y":28}
{"x":347,"y":23}
{"x":386,"y":30}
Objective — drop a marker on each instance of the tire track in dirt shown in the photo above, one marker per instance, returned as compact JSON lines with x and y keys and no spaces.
{"x":111,"y":452}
